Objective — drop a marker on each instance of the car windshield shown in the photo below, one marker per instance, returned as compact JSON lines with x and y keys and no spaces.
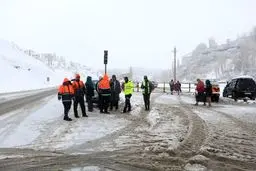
{"x":246,"y":84}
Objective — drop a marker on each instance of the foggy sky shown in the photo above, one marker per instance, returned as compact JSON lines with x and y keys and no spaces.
{"x":139,"y":33}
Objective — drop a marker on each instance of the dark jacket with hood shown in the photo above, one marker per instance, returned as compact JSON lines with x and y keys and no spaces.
{"x":115,"y":88}
{"x":89,"y":87}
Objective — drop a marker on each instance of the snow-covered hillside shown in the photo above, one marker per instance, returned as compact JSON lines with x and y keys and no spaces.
{"x":225,"y":61}
{"x":20,"y":71}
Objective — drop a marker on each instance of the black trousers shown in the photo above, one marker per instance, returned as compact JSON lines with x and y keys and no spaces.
{"x":114,"y":103}
{"x":127,"y":102}
{"x":200,"y":97}
{"x":146,"y":98}
{"x":79,"y":100}
{"x":67,"y":106}
{"x":104,"y":103}
{"x":89,"y":102}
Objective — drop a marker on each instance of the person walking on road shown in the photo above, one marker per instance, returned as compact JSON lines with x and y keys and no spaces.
{"x":200,"y":96}
{"x":115,"y":91}
{"x":128,"y":90}
{"x":171,"y":84}
{"x":208,"y":92}
{"x":147,"y":88}
{"x":66,"y":93}
{"x":178,"y":87}
{"x":79,"y":89}
{"x":89,"y":93}
{"x":105,"y":92}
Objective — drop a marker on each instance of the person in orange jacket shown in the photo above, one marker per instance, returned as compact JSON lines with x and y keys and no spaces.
{"x":80,"y":91}
{"x":105,"y":93}
{"x":66,"y":93}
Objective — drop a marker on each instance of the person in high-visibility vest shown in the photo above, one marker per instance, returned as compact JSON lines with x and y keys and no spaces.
{"x":105,"y":92}
{"x":80,"y":91}
{"x":147,"y":87}
{"x":128,"y":90}
{"x":66,"y":94}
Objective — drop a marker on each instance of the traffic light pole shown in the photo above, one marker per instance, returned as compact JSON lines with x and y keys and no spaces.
{"x":105,"y":60}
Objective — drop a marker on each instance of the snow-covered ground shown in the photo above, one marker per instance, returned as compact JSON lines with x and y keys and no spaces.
{"x":173,"y":129}
{"x":32,"y":130}
{"x":20,"y":71}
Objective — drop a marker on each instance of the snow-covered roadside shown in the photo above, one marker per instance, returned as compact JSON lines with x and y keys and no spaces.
{"x":45,"y":128}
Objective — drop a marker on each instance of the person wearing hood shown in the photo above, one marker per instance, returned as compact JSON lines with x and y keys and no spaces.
{"x":208,"y":92}
{"x":66,"y":94}
{"x":115,"y":91}
{"x":105,"y":93}
{"x":80,"y":91}
{"x":89,"y":93}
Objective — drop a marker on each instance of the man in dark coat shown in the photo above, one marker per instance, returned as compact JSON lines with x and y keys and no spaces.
{"x":208,"y":92}
{"x":171,"y":84}
{"x":115,"y":91}
{"x":89,"y":93}
{"x":147,"y":88}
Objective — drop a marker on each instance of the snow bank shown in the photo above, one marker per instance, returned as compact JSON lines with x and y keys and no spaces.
{"x":20,"y":71}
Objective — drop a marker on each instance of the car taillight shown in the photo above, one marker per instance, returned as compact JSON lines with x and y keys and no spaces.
{"x":216,"y":89}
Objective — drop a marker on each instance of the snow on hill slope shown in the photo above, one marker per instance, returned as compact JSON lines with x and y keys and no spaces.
{"x":222,"y":62}
{"x":20,"y":71}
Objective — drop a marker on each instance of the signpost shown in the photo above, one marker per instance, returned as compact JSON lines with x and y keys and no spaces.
{"x":105,"y":59}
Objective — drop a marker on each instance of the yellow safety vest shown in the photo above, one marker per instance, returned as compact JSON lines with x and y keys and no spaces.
{"x":128,"y":88}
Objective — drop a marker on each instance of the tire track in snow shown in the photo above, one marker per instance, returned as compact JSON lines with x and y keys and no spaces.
{"x":231,"y":143}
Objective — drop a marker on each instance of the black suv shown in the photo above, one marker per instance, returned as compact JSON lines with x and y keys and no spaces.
{"x":241,"y":87}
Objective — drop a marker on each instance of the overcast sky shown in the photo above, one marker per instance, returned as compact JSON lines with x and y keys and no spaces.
{"x":136,"y":32}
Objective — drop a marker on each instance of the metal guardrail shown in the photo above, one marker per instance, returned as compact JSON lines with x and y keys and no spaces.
{"x":164,"y":87}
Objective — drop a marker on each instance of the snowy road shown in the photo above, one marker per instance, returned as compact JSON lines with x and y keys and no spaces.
{"x":12,"y":101}
{"x":174,"y":135}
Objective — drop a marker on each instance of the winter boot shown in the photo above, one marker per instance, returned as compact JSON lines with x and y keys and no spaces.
{"x":76,"y":116}
{"x":84,"y":115}
{"x":66,"y":118}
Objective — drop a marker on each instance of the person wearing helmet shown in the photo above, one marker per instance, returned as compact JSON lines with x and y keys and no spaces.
{"x":104,"y":91}
{"x":128,"y":90}
{"x":66,"y":93}
{"x":79,"y":89}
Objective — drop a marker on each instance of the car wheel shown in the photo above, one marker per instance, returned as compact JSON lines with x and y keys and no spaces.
{"x":234,"y":96}
{"x":252,"y":98}
{"x":225,"y":94}
{"x":245,"y":100}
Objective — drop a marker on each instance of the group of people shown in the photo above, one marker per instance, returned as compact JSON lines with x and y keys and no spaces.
{"x":203,"y":92}
{"x":108,"y":92}
{"x":175,"y":86}
{"x":72,"y":90}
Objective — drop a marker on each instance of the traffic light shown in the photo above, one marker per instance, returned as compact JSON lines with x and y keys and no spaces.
{"x":105,"y":57}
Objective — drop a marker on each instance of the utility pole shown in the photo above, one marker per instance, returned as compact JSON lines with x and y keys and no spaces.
{"x":174,"y":64}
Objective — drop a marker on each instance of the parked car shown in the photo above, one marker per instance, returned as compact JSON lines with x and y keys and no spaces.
{"x":240,"y":88}
{"x":154,"y":83}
